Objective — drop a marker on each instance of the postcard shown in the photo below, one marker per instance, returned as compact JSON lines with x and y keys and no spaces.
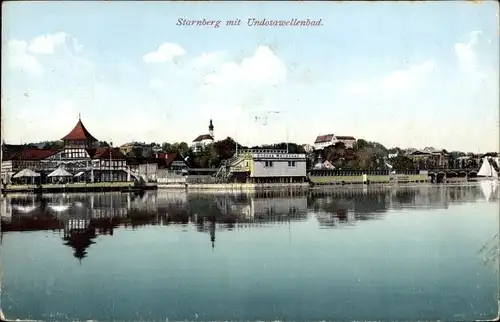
{"x":250,"y":161}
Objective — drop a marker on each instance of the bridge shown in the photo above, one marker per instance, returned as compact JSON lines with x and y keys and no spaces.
{"x":453,"y":171}
{"x":439,"y":175}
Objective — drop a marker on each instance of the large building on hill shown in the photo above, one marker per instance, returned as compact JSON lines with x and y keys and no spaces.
{"x":326,"y":140}
{"x":204,"y":139}
{"x":80,"y":156}
{"x":429,"y":159}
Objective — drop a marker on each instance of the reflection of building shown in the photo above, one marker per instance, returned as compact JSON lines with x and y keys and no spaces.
{"x":341,"y":217}
{"x":271,"y":207}
{"x":80,"y":240}
{"x":171,"y":197}
{"x":82,"y":217}
{"x":6,"y":209}
{"x":263,"y":209}
{"x":109,"y":205}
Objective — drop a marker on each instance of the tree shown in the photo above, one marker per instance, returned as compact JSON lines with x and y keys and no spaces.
{"x":210,"y":156}
{"x":395,"y":150}
{"x":367,"y":160}
{"x":226,"y":148}
{"x":361,"y":144}
{"x":167,"y":147}
{"x":136,"y":152}
{"x":340,"y":148}
{"x":183,"y":148}
{"x":402,"y":162}
{"x":178,"y":147}
{"x":56,"y":145}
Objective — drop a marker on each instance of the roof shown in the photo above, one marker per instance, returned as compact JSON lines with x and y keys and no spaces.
{"x":59,"y":172}
{"x":79,"y":133}
{"x":131,"y":144}
{"x":324,"y":138}
{"x":203,"y":137}
{"x":104,"y":153}
{"x":343,"y":137}
{"x":418,"y":152}
{"x":172,"y":157}
{"x":26,"y":173}
{"x":32,"y":154}
{"x":9,"y":150}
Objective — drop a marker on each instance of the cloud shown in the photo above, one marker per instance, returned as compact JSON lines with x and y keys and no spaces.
{"x":208,"y":59}
{"x":19,"y":59}
{"x":234,"y":93}
{"x":156,"y":83}
{"x":22,"y":55}
{"x":464,"y":51}
{"x":46,"y":44}
{"x":165,"y":52}
{"x":396,"y":81}
{"x":263,"y":68}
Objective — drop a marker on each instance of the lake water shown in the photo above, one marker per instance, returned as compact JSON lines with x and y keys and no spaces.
{"x":346,"y":254}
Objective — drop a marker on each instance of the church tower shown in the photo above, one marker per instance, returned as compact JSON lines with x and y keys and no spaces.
{"x":211,"y":129}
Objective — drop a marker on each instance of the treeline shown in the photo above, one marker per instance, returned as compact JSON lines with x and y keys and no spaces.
{"x":364,"y":155}
{"x":57,"y":145}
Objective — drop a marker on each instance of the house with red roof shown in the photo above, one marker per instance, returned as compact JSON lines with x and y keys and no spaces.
{"x":203,"y":140}
{"x":325,"y":140}
{"x":27,"y":158}
{"x":80,"y":156}
{"x":79,"y":137}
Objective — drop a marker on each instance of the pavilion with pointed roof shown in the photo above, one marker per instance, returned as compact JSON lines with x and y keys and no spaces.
{"x":81,"y":158}
{"x":79,"y":137}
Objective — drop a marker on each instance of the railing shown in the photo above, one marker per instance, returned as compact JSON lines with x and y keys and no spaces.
{"x":222,"y":168}
{"x":337,"y":172}
{"x":232,"y":160}
{"x":251,"y":151}
{"x":454,"y":170}
{"x":225,"y":167}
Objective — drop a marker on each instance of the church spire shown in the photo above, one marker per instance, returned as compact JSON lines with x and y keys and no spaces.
{"x":211,"y":128}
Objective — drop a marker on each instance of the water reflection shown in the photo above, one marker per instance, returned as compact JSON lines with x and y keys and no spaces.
{"x":401,"y":255}
{"x":80,"y":218}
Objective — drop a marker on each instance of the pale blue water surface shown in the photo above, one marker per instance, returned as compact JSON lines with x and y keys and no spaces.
{"x":350,"y":254}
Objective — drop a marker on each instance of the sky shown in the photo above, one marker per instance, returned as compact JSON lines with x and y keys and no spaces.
{"x":411,"y":75}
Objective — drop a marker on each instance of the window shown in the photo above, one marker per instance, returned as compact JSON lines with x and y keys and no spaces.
{"x":268,"y":164}
{"x":291,"y":163}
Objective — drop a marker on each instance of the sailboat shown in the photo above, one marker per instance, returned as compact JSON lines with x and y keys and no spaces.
{"x":487,"y":171}
{"x":486,"y":188}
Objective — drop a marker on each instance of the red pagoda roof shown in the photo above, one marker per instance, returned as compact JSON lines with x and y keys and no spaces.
{"x":79,"y":133}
